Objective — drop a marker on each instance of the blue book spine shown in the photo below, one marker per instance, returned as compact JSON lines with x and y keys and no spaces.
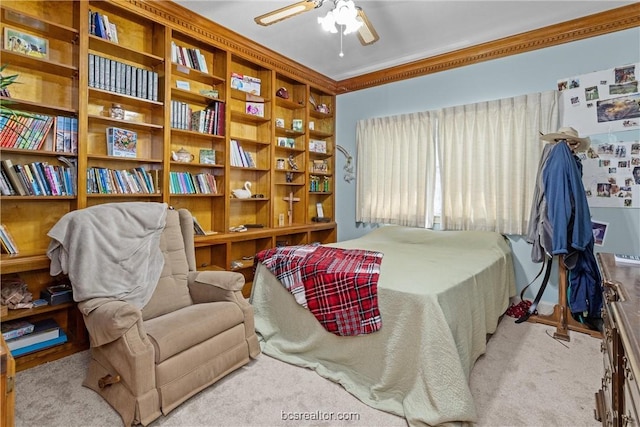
{"x":41,"y":345}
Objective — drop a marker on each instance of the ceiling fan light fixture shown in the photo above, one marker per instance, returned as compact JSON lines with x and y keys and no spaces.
{"x":345,"y":15}
{"x":328,"y":23}
{"x":287,"y":12}
{"x":366,"y":33}
{"x":352,"y":26}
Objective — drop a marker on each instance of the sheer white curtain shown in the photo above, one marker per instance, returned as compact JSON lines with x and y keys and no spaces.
{"x":396,"y":170}
{"x":489,"y":155}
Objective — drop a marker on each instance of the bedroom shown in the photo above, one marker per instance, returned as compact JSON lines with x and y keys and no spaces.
{"x":535,"y":75}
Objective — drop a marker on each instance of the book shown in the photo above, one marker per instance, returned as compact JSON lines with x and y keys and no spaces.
{"x":43,"y":330}
{"x":121,"y":142}
{"x":8,"y":242}
{"x":627,"y":259}
{"x":60,"y":339}
{"x":14,"y":179}
{"x":15,"y":329}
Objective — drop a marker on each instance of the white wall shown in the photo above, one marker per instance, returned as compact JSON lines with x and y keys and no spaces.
{"x":501,"y":78}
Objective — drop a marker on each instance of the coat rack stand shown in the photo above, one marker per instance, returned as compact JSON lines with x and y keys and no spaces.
{"x":561,"y":317}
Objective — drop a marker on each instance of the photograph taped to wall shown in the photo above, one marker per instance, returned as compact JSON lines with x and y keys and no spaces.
{"x":611,"y":174}
{"x":599,"y":232}
{"x":602,"y":101}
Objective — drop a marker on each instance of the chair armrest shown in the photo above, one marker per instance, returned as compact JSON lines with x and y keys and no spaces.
{"x":211,"y":286}
{"x":107,"y":319}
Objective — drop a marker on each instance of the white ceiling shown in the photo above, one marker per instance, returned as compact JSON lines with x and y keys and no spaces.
{"x":409,"y":30}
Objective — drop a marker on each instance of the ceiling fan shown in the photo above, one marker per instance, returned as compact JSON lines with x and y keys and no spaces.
{"x":345,"y":15}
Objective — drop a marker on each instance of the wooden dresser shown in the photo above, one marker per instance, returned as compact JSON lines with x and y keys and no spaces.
{"x":618,"y":400}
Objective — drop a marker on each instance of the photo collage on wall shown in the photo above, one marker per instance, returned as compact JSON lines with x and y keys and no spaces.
{"x":605,"y":102}
{"x":611,"y":174}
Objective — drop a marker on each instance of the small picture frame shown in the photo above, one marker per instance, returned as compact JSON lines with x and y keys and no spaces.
{"x":280,"y":123}
{"x":25,"y":43}
{"x":319,"y":210}
{"x":184,"y":85}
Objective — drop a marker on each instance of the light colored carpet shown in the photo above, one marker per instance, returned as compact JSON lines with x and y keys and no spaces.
{"x":526,"y":378}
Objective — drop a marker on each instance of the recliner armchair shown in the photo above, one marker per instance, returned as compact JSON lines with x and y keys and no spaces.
{"x":196,"y":329}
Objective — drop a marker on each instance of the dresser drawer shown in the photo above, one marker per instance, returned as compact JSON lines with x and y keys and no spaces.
{"x":607,"y":335}
{"x":631,"y":396}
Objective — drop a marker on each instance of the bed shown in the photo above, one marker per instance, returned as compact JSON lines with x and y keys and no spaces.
{"x":439,"y":293}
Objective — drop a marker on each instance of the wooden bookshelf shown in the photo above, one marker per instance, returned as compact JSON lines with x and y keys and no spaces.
{"x":146,"y":33}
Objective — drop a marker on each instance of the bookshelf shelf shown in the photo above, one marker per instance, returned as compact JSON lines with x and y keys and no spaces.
{"x":32,"y":23}
{"x":24,"y":261}
{"x":34,"y":107}
{"x":248,"y":118}
{"x":99,"y":45}
{"x":39,"y":153}
{"x":125,"y":195}
{"x":244,"y":96}
{"x":187,"y":95}
{"x":192,"y":133}
{"x":22,"y":313}
{"x":320,"y":115}
{"x":124,"y":99}
{"x":125,"y":123}
{"x":182,"y":71}
{"x":38,"y":64}
{"x":36,"y":198}
{"x":125,"y":159}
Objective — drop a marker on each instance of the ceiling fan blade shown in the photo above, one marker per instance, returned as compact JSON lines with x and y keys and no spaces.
{"x":367,"y":34}
{"x":287,"y":12}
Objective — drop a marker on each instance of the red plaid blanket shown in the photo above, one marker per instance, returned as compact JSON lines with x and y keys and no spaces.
{"x":339,"y":286}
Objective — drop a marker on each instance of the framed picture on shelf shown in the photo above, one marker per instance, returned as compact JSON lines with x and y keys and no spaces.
{"x":207,"y":157}
{"x":25,"y":43}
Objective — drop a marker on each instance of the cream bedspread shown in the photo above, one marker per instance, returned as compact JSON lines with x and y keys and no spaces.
{"x":440,"y":293}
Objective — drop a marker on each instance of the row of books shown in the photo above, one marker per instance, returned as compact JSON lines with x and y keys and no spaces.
{"x":27,"y":132}
{"x":7,"y":241}
{"x":125,"y":79}
{"x":30,"y":131}
{"x":189,"y":57}
{"x":240,"y":157}
{"x":211,"y":120}
{"x":36,"y":179}
{"x":100,"y":26}
{"x":26,"y":337}
{"x":132,"y":181}
{"x":187,"y":183}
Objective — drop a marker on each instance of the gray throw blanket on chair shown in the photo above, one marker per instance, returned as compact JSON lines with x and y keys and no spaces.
{"x":110,"y":250}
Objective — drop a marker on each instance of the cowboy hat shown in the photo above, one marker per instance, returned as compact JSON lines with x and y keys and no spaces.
{"x":571,"y":136}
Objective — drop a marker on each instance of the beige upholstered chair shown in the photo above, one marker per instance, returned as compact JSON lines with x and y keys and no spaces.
{"x":196,"y":329}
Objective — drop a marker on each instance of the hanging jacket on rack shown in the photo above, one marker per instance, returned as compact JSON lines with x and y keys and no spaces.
{"x":561,"y":225}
